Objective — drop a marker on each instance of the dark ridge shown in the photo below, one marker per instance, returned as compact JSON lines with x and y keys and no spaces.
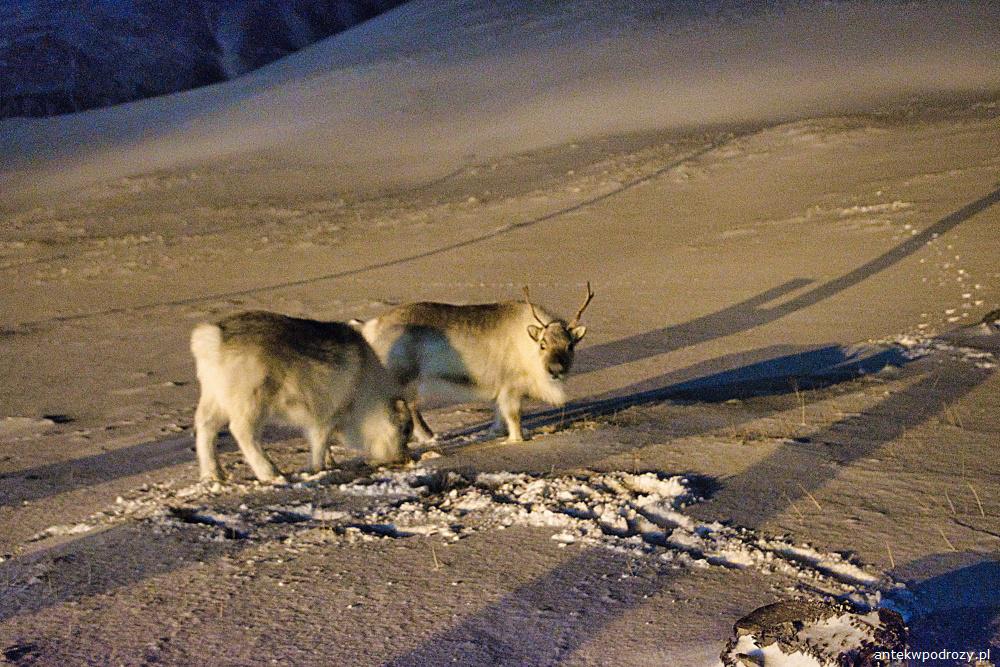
{"x":63,"y":57}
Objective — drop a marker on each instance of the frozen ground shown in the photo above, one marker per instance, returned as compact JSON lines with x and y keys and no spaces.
{"x":783,"y":391}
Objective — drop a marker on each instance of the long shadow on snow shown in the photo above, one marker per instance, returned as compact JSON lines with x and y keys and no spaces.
{"x":788,"y":372}
{"x":44,"y":481}
{"x":824,"y":366}
{"x":99,"y":562}
{"x":751,"y":378}
{"x":955,"y":602}
{"x":752,"y":312}
{"x":501,"y":631}
{"x":510,"y":631}
{"x":31,"y":484}
{"x":809,"y":369}
{"x":734,"y":319}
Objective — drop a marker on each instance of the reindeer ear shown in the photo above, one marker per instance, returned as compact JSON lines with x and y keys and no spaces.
{"x":578,"y":333}
{"x":534,"y":332}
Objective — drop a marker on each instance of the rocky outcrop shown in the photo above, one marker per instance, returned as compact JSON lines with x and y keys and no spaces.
{"x":831,"y":634}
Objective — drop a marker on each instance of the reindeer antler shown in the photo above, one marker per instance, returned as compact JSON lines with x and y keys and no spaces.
{"x":590,"y":295}
{"x":527,"y":300}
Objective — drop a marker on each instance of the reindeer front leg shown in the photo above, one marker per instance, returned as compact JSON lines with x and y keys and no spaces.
{"x":509,"y":408}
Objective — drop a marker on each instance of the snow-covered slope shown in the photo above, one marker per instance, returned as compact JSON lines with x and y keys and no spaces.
{"x":58,"y":56}
{"x":731,"y":266}
{"x":417,"y":90}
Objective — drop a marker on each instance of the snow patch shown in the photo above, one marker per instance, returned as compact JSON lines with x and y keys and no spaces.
{"x":916,"y":346}
{"x":772,"y":654}
{"x":640,"y":514}
{"x":868,"y":209}
{"x":62,"y":530}
{"x":21,"y":426}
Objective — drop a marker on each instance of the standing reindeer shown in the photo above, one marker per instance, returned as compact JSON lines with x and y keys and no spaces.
{"x":320,"y":376}
{"x":503,"y":352}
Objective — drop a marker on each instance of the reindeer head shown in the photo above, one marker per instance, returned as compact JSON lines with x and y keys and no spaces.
{"x":556,"y":339}
{"x":386,"y":438}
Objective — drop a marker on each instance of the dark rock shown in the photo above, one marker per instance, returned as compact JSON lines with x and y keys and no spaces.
{"x":783,"y":623}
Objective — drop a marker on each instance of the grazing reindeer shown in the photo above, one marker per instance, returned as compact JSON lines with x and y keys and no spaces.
{"x":502,"y":352}
{"x":320,"y":376}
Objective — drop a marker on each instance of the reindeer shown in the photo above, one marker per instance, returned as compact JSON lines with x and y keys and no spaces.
{"x":320,"y":376}
{"x":503,"y":352}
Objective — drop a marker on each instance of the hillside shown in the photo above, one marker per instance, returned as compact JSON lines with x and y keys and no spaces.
{"x":788,"y":388}
{"x":60,"y":57}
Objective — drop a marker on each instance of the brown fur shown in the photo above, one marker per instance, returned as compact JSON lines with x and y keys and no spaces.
{"x":320,"y":376}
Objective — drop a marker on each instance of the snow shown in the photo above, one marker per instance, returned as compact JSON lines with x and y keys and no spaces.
{"x":428,"y":84}
{"x":781,"y":207}
{"x":62,"y":530}
{"x":772,"y":655}
{"x":918,"y":346}
{"x":11,"y":427}
{"x":62,"y":57}
{"x":825,"y":640}
{"x":641,"y":514}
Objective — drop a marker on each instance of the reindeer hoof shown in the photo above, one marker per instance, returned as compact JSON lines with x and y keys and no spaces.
{"x":276,"y":479}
